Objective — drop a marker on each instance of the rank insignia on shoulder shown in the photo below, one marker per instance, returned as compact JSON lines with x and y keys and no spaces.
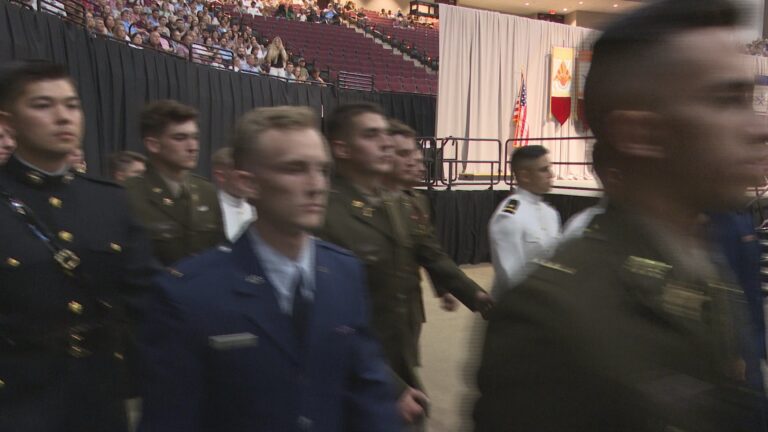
{"x":511,"y":207}
{"x":647,"y":267}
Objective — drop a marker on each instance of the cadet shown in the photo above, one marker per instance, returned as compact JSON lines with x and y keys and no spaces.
{"x":70,"y":257}
{"x":636,"y":326}
{"x":377,"y":230}
{"x":523,"y":227}
{"x":179,"y":209}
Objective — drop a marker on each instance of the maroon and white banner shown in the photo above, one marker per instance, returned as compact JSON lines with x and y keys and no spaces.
{"x":561,"y":83}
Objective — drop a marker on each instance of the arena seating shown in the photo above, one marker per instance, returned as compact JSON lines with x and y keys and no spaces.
{"x":340,"y":48}
{"x":423,"y":40}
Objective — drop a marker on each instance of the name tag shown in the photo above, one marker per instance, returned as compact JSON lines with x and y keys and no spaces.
{"x":233,"y":341}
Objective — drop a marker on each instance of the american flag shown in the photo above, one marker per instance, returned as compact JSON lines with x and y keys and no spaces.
{"x":520,"y":116}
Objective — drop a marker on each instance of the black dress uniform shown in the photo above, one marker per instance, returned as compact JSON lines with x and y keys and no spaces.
{"x":616,"y":333}
{"x":62,"y":330}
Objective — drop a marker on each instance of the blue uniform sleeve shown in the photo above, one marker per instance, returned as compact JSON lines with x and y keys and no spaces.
{"x":172,"y":364}
{"x":371,"y":404}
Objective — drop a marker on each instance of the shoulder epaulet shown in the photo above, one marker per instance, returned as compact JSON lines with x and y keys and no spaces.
{"x":95,"y":179}
{"x":511,"y":206}
{"x":334,"y":247}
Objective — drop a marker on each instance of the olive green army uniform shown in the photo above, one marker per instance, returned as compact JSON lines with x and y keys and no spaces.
{"x":387,"y":236}
{"x":179,"y":226}
{"x":619,"y":331}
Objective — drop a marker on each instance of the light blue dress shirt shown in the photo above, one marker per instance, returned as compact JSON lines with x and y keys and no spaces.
{"x":283,"y":272}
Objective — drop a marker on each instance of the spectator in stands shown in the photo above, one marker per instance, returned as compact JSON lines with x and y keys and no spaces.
{"x":137,"y":41}
{"x":236,"y":64}
{"x":276,"y":57}
{"x":303,"y":66}
{"x":218,"y":62}
{"x":126,"y":164}
{"x":117,"y":9}
{"x":250,"y":64}
{"x":241,"y":53}
{"x":154,"y":19}
{"x":157,"y":42}
{"x":303,"y":15}
{"x":314,"y":76}
{"x":90,"y":24}
{"x":110,"y":24}
{"x":7,"y":144}
{"x":281,"y":11}
{"x":120,"y":33}
{"x":298,"y":76}
{"x":126,"y":19}
{"x":163,"y":28}
{"x":99,"y":28}
{"x":313,"y":16}
{"x":289,"y":71}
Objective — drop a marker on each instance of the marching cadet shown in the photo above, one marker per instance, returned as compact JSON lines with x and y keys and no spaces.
{"x":71,"y":261}
{"x":637,"y":325}
{"x":179,"y":209}
{"x":407,"y":173}
{"x":362,"y":218}
{"x":523,"y":227}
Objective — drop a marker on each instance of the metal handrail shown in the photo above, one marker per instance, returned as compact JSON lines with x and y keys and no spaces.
{"x":453,"y":177}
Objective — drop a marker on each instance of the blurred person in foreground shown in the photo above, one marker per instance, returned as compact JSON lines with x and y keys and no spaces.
{"x":637,"y":326}
{"x":7,"y":143}
{"x":271,"y":334}
{"x":126,"y":164}
{"x":72,"y":263}
{"x":379,"y":229}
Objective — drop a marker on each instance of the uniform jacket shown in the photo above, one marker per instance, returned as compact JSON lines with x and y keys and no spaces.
{"x":179,"y":227}
{"x":393,"y":245}
{"x":522,"y":228}
{"x":610,"y":335}
{"x":51,"y":322}
{"x":222,"y":357}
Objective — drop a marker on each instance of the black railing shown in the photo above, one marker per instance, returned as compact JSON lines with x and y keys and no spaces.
{"x":355,"y":81}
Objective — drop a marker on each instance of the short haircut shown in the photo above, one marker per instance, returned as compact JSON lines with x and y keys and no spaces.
{"x":250,"y":127}
{"x":223,"y":157}
{"x":396,"y":127}
{"x":121,"y":160}
{"x":339,"y":122}
{"x":15,"y":76}
{"x":524,"y":155}
{"x":619,"y":75}
{"x":157,"y":116}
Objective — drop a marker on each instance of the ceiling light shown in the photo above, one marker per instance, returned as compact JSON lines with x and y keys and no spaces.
{"x":615,"y":5}
{"x":527,"y":4}
{"x":581,"y":2}
{"x":565,"y":9}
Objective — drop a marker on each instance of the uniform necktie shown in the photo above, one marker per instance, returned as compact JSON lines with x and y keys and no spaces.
{"x":301,"y":306}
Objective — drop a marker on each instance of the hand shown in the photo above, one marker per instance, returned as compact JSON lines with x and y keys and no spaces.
{"x":483,"y":303}
{"x":448,"y":303}
{"x":411,"y":405}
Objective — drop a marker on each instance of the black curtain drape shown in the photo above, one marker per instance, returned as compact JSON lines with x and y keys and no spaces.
{"x":115,"y":81}
{"x":461,"y":219}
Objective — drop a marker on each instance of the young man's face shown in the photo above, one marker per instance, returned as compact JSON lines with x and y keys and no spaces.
{"x":46,"y":118}
{"x":7,"y":144}
{"x":370,"y":147}
{"x":713,"y":144}
{"x":404,"y":164}
{"x":177,"y":147}
{"x":290,"y":184}
{"x":536,"y":176}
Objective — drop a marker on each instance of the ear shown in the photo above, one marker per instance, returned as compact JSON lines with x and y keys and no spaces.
{"x":247,"y":183}
{"x":152,"y":144}
{"x":636,"y":133}
{"x":5,"y":122}
{"x":341,"y":150}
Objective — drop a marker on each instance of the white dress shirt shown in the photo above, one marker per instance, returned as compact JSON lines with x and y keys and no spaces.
{"x":237,"y":214}
{"x":283,"y":272}
{"x":522,"y":228}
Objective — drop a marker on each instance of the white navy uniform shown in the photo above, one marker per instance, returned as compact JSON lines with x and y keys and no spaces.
{"x":579,"y":222}
{"x":236,"y":213}
{"x":522,"y":228}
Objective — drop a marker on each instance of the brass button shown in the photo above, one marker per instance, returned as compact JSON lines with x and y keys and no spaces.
{"x":75,"y":307}
{"x":34,"y":178}
{"x":68,"y":177}
{"x":12,"y":262}
{"x":66,"y":236}
{"x":55,"y":202}
{"x":167,"y":201}
{"x":115,"y":247}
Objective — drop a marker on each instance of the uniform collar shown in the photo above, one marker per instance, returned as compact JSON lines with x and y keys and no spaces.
{"x":529,"y":196}
{"x":230,"y":200}
{"x":33,"y":176}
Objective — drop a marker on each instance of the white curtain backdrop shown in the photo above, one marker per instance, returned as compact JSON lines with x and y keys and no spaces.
{"x":482,"y":54}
